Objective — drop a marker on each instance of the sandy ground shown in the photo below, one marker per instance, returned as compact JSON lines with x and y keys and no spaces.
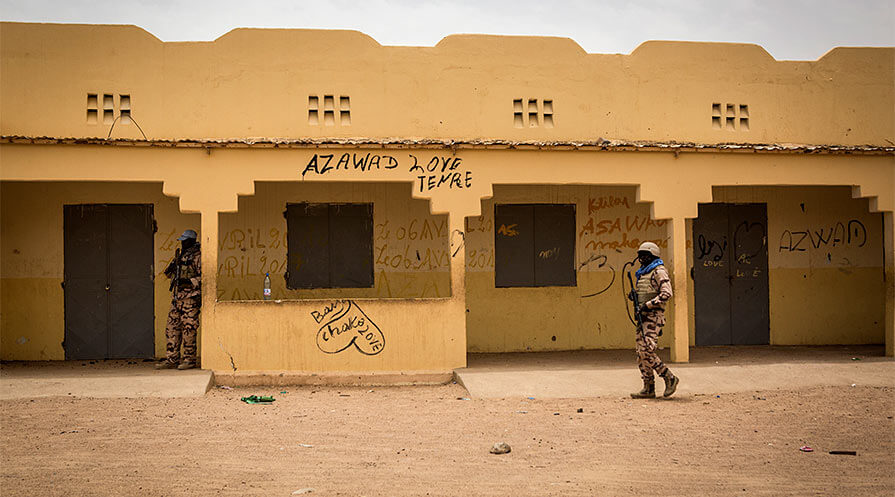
{"x":397,"y":441}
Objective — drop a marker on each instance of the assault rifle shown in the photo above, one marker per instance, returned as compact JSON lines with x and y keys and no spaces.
{"x":174,"y":272}
{"x":633,"y":298}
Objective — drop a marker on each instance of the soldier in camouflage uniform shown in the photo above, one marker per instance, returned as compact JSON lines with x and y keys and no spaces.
{"x":653,"y":290}
{"x":185,"y":272}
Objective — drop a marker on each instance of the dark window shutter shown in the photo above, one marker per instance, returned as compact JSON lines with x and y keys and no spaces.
{"x":554,"y":245}
{"x":307,"y":241}
{"x":513,"y":242}
{"x":351,"y":245}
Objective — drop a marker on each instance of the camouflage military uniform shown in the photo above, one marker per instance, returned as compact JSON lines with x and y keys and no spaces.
{"x":653,"y":290}
{"x":183,"y":320}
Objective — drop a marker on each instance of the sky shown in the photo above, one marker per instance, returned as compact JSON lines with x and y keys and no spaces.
{"x":788,"y":29}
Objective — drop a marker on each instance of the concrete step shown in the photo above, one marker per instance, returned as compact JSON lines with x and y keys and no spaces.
{"x":23,"y":382}
{"x":703,"y":379}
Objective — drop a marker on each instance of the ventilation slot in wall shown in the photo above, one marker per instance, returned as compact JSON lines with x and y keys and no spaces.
{"x":108,"y":108}
{"x":92,"y":108}
{"x":735,"y":117}
{"x":335,"y":110}
{"x":517,"y":113}
{"x":329,"y":112}
{"x":124,"y":108}
{"x":548,"y":113}
{"x":101,"y":108}
{"x":344,"y":111}
{"x":313,"y":110}
{"x":532,"y":113}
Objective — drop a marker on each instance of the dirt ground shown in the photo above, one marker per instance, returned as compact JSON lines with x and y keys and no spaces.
{"x":397,"y":441}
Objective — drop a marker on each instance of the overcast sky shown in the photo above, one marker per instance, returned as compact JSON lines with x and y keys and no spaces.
{"x":788,"y":29}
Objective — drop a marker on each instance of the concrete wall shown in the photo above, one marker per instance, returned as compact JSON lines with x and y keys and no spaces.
{"x":813,"y":280}
{"x":431,"y":333}
{"x":257,"y":83}
{"x":253,"y":84}
{"x":32,"y":324}
{"x":610,"y":225}
{"x":410,"y":245}
{"x":825,"y":259}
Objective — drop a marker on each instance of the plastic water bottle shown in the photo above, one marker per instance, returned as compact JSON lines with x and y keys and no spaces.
{"x":266,"y":286}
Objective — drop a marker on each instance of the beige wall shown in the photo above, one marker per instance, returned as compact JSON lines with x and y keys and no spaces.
{"x":411,"y":257}
{"x":428,"y":333}
{"x":256,"y":83}
{"x":825,"y":259}
{"x":32,"y":324}
{"x":610,"y":225}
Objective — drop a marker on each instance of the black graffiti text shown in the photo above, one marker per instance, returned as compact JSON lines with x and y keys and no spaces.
{"x":437,"y":172}
{"x":850,"y":233}
{"x":346,"y":325}
{"x":708,"y":247}
{"x":453,"y":181}
{"x":323,"y":163}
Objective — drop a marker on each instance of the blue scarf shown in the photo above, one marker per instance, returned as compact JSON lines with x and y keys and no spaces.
{"x":646,"y":269}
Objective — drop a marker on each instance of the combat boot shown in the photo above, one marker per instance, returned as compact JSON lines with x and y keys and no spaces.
{"x":671,"y":382}
{"x":186,"y":365}
{"x":165,"y":365}
{"x":648,"y":392}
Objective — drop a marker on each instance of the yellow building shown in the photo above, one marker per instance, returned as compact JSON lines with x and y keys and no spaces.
{"x":413,"y":204}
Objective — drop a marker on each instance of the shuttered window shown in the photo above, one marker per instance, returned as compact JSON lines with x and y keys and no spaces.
{"x":329,"y":245}
{"x":534,"y":245}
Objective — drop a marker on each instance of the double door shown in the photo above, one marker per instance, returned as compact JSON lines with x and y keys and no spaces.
{"x":109,"y":280}
{"x":730,"y":272}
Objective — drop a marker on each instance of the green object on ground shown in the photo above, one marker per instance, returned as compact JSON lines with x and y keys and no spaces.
{"x":258,"y":399}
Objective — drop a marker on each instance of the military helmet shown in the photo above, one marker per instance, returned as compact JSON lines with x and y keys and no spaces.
{"x":649,"y":247}
{"x":187,"y":234}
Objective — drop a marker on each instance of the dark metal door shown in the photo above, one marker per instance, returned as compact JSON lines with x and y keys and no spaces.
{"x":131,"y":281}
{"x":109,"y":273}
{"x":711,"y":272}
{"x":730,"y":274}
{"x":749,"y":320}
{"x":86,"y":273}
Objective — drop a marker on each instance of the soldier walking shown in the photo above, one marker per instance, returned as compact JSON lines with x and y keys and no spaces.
{"x":185,"y":271}
{"x":653,"y":289}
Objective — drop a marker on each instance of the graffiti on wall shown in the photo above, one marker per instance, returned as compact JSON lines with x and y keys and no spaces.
{"x":411,"y":253}
{"x":609,"y":228}
{"x":342,"y":323}
{"x":428,"y":173}
{"x":749,"y":240}
{"x":416,"y":245}
{"x":600,"y":261}
{"x":851,"y":233}
{"x":610,"y":232}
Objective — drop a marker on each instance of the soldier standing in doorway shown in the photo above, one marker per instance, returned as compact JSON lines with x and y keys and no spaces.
{"x":653,"y":289}
{"x":185,"y":271}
